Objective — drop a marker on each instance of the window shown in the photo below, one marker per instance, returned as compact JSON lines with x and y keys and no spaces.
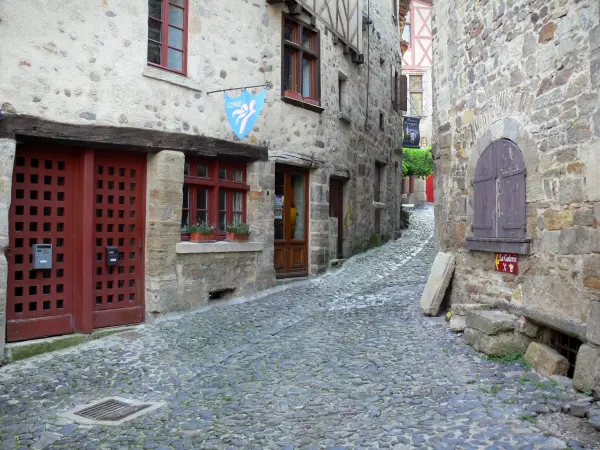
{"x":379,"y":167}
{"x":381,"y":121}
{"x":167,"y":34}
{"x":213,"y":192}
{"x":395,"y":88}
{"x":499,"y":207}
{"x":415,"y":93}
{"x":300,"y":62}
{"x":406,"y":36}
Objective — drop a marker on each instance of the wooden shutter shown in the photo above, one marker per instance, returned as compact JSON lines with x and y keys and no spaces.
{"x":512,"y":221}
{"x":403,"y":93}
{"x":484,"y":188}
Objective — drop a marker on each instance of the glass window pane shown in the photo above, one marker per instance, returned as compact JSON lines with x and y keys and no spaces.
{"x":186,"y":169}
{"x":186,"y":196}
{"x":238,"y":175}
{"x":238,"y":199}
{"x":222,"y":174}
{"x":288,"y":71}
{"x":222,"y":201}
{"x":416,"y":103}
{"x":155,"y":8}
{"x":175,"y":59}
{"x":154,"y":30}
{"x":237,"y":218}
{"x":222,"y":221}
{"x":297,"y":207}
{"x":185,"y":220}
{"x":202,"y":216}
{"x":306,"y":78}
{"x":175,"y":16}
{"x":176,"y":38}
{"x":288,"y":32}
{"x":202,"y":171}
{"x":416,"y":82}
{"x":307,"y":40}
{"x":202,"y":199}
{"x":154,"y":52}
{"x":406,"y":32}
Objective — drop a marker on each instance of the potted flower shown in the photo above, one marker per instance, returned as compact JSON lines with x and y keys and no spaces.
{"x":238,"y":232}
{"x":203,"y":232}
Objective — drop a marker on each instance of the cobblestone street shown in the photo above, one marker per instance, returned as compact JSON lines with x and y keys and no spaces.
{"x":345,"y":360}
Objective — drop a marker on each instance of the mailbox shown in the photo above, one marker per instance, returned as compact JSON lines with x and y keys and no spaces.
{"x":112,"y":256}
{"x":42,"y":256}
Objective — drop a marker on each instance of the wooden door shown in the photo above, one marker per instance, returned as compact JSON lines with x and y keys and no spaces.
{"x":40,"y":302}
{"x":291,"y":222}
{"x":119,"y":196}
{"x":336,"y":209}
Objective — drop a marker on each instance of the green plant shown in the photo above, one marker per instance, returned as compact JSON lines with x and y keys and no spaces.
{"x":417,"y":162}
{"x":528,"y":418}
{"x":202,"y":227}
{"x":240,"y":228}
{"x":508,"y":401}
{"x":513,"y":357}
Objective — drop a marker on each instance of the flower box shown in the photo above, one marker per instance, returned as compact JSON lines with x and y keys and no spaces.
{"x":233,"y":237}
{"x":203,"y":237}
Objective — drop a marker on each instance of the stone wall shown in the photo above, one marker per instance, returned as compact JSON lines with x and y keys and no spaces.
{"x":7,"y":157}
{"x":527,"y":71}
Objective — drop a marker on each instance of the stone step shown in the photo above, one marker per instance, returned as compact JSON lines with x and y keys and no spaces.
{"x":501,"y":344}
{"x":546,"y":360}
{"x":463,"y":308}
{"x":491,"y":322}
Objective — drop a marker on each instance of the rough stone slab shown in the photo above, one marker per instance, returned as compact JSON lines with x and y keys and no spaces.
{"x":546,"y":360}
{"x":579,"y":409}
{"x":498,"y":345}
{"x":588,"y":361}
{"x":463,"y":308}
{"x":439,"y":280}
{"x":593,"y":324}
{"x":595,"y":418}
{"x":458,"y":323}
{"x":491,"y":322}
{"x":527,"y":327}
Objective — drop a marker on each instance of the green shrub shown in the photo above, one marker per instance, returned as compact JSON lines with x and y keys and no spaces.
{"x":417,"y":162}
{"x":240,"y":228}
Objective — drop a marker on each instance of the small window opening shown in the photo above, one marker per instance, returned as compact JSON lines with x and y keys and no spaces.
{"x":220,"y":294}
{"x":568,"y":346}
{"x":381,"y":121}
{"x":343,"y":94}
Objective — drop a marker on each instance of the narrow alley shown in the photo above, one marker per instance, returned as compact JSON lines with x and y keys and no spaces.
{"x":345,"y":360}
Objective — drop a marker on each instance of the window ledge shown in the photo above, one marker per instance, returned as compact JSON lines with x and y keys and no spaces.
{"x":379,"y":205}
{"x":301,"y":104}
{"x":218,"y":247}
{"x":170,"y":77}
{"x":520,"y":246}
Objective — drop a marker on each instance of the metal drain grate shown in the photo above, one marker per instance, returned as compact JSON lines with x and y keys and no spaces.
{"x":111,"y":410}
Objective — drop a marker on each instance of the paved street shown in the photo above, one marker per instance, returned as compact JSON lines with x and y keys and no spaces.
{"x":345,"y":360}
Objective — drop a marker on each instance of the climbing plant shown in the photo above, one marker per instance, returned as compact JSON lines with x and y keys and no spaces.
{"x":417,"y":162}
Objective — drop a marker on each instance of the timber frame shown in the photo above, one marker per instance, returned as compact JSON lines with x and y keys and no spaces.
{"x":30,"y":128}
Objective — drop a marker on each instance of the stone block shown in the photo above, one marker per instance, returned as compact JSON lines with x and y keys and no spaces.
{"x":437,"y":283}
{"x":458,"y":323}
{"x":571,"y":190}
{"x":527,"y":327}
{"x":593,"y":324}
{"x":595,"y":418}
{"x":588,"y":360}
{"x":577,"y":240}
{"x":491,"y":322}
{"x":462,"y":309}
{"x":502,"y":344}
{"x":557,"y":219}
{"x":546,"y":360}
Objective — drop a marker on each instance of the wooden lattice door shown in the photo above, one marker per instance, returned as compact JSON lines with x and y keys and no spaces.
{"x":40,"y":302}
{"x":119,"y":190}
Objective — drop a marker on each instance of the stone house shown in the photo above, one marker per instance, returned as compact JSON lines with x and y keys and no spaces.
{"x":517,"y":164}
{"x":113,"y":140}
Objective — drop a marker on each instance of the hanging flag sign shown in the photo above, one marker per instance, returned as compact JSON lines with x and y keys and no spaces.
{"x":243,"y":111}
{"x":412,"y":135}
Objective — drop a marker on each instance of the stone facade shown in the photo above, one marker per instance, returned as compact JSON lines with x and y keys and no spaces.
{"x":528,"y":72}
{"x":86,"y":65}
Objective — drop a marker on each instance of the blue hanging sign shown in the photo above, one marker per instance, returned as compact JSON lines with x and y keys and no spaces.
{"x":243,"y":111}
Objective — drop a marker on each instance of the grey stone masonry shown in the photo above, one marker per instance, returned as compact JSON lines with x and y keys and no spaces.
{"x":491,"y":322}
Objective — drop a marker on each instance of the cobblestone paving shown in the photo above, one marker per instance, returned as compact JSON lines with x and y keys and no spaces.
{"x":345,"y":360}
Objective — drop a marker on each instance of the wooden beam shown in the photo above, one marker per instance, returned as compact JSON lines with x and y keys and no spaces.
{"x":29,"y":128}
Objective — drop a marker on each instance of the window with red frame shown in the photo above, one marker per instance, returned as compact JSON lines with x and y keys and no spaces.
{"x":300,"y":62}
{"x":167,"y":34}
{"x":213,"y":192}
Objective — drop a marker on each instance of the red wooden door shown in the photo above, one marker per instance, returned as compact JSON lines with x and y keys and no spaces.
{"x":40,"y":302}
{"x":119,"y":196}
{"x":429,"y":188}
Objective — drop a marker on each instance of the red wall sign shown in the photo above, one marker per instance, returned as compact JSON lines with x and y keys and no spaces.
{"x":507,"y":263}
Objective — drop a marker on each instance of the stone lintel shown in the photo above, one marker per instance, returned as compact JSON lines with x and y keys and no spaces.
{"x":218,"y":247}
